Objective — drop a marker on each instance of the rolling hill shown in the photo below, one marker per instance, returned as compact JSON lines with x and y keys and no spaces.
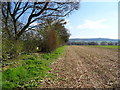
{"x":92,"y":40}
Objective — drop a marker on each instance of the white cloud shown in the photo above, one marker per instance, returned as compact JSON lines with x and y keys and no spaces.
{"x":99,"y":24}
{"x":68,"y":21}
{"x":68,"y":25}
{"x":34,"y":24}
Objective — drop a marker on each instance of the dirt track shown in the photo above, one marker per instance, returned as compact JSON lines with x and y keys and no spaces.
{"x":85,"y":67}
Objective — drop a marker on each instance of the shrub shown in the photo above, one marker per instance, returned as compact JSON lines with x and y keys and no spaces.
{"x":11,"y":48}
{"x":50,"y":41}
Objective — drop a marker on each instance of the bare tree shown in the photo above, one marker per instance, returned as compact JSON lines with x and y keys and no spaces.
{"x":18,"y":17}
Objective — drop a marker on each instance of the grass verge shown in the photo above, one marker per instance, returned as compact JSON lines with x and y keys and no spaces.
{"x":31,"y":72}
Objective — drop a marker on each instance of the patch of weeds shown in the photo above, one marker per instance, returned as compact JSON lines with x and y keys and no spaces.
{"x":31,"y":72}
{"x":56,"y":71}
{"x":54,"y":55}
{"x":61,"y":79}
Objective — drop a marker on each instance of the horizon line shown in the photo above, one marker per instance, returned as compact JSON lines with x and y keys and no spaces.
{"x":93,"y":38}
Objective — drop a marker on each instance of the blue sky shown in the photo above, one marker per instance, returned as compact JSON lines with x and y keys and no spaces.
{"x":94,"y":20}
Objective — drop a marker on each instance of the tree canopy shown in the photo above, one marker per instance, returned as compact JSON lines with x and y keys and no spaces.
{"x":19,"y":16}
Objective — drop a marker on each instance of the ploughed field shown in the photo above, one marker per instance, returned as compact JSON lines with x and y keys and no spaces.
{"x":85,"y":67}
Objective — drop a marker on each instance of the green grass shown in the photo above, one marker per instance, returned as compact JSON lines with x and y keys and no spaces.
{"x":31,"y":72}
{"x":106,"y":46}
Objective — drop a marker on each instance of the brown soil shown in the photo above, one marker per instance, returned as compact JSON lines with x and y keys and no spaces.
{"x":85,"y":67}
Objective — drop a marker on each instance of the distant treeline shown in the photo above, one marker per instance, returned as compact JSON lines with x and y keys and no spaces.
{"x":94,"y":43}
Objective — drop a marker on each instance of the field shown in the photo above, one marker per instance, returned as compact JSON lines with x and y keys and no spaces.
{"x":66,"y":67}
{"x":85,"y":67}
{"x":106,"y":46}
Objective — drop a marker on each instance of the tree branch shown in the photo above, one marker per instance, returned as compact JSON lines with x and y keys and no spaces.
{"x":22,"y":11}
{"x":30,"y":18}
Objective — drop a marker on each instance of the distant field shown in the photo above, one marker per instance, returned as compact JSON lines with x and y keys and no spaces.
{"x":106,"y":46}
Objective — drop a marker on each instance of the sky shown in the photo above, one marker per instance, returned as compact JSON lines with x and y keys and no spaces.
{"x":94,"y":20}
